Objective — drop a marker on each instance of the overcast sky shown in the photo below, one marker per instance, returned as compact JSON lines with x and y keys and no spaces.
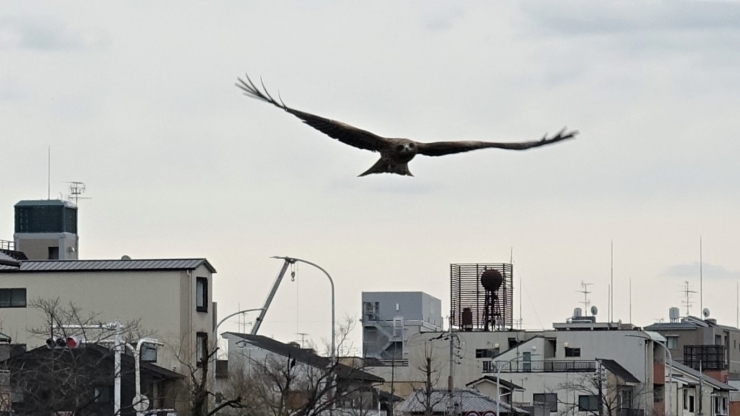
{"x":138,"y":101}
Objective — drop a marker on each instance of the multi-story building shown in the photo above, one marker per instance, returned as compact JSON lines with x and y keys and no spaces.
{"x":307,"y":376}
{"x":694,"y":340}
{"x":169,"y":299}
{"x":390,"y":319}
{"x":561,"y":369}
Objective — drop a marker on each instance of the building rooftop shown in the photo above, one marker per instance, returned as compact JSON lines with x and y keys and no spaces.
{"x":305,"y":356}
{"x":619,"y":371}
{"x":45,"y":202}
{"x":105,"y":265}
{"x":468,"y":400}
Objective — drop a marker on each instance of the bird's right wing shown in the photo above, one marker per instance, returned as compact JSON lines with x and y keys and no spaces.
{"x":448,"y":148}
{"x":345,"y":133}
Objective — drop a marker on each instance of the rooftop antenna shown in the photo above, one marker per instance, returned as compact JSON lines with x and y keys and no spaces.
{"x":75,"y":190}
{"x":701,"y":278}
{"x":586,"y":303}
{"x":521,"y":289}
{"x":687,"y":302}
{"x":611,"y":286}
{"x":48,"y":174}
{"x":303,"y":338}
{"x":630,"y":300}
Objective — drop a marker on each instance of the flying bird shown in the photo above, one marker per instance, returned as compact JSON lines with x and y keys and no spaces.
{"x":395,"y":153}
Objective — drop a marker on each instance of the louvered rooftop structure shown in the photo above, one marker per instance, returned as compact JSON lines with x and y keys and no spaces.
{"x":482,"y":296}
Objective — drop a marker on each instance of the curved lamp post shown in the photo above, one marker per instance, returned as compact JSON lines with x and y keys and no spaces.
{"x":215,"y":336}
{"x":292,"y":260}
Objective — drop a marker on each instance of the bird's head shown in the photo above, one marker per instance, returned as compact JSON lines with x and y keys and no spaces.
{"x":406,"y":148}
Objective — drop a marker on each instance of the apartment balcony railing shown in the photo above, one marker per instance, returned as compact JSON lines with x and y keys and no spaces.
{"x":547,"y":366}
{"x":7,"y":245}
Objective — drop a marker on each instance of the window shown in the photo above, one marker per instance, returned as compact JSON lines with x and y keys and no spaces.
{"x":691,"y":404}
{"x":201,"y":294}
{"x":488,"y":367}
{"x":572,"y":352}
{"x":671,"y":342}
{"x":550,"y":400}
{"x":201,"y":347}
{"x":588,"y":403}
{"x":13,"y":298}
{"x":104,"y":394}
{"x":624,"y":398}
{"x":486,"y":353}
{"x":685,"y":400}
{"x":53,"y":253}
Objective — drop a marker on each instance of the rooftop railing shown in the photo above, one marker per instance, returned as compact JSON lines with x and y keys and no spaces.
{"x":546,"y":366}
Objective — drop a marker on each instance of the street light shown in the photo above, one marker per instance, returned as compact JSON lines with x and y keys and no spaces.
{"x":292,"y":260}
{"x":215,"y":337}
{"x":670,"y":362}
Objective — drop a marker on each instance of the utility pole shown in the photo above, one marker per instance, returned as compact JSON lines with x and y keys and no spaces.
{"x":601,"y":390}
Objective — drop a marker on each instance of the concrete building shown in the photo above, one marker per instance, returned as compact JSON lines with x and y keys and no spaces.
{"x":553,"y":367}
{"x":263,"y":358}
{"x":715,"y":345}
{"x":170,"y":299}
{"x":47,"y":230}
{"x":390,"y":319}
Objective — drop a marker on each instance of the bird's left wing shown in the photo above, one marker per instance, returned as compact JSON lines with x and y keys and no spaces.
{"x":448,"y":148}
{"x":343,"y":132}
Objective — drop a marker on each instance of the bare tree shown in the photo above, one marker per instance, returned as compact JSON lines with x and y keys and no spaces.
{"x":302,"y":383}
{"x":64,"y":379}
{"x":425,"y":392}
{"x":196,"y":395}
{"x":600,"y":393}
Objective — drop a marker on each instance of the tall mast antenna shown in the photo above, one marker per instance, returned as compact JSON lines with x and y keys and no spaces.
{"x":48,"y":173}
{"x":701,"y":278}
{"x":611,"y":286}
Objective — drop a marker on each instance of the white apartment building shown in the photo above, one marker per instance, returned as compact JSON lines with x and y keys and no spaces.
{"x":554,"y":367}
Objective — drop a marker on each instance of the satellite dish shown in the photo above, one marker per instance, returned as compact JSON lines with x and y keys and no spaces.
{"x":125,"y":258}
{"x":705,"y":312}
{"x":594,"y":310}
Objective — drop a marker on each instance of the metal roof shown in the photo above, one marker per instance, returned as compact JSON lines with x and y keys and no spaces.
{"x":305,"y":356}
{"x":106,"y":265}
{"x":6,"y":260}
{"x":697,"y":375}
{"x":45,"y":202}
{"x":469,"y":401}
{"x":619,"y":371}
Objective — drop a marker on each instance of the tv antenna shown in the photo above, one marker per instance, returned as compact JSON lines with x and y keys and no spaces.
{"x":75,"y":190}
{"x":303,"y":338}
{"x":586,"y":303}
{"x":687,"y":302}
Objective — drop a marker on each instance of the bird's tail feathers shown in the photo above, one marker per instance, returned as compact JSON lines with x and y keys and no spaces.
{"x":383,"y":166}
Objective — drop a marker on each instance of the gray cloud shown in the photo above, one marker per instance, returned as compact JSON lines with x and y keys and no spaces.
{"x":586,"y":18}
{"x":43,"y":34}
{"x":711,"y":271}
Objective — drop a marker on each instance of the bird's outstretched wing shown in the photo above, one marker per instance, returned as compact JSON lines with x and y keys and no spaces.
{"x":336,"y":129}
{"x":448,"y":148}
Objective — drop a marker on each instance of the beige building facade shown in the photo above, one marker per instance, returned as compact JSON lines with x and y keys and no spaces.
{"x":170,"y":299}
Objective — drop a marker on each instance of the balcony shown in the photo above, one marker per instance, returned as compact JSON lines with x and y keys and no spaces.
{"x":547,"y":366}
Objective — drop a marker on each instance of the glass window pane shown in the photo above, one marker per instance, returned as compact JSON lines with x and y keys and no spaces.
{"x":18,"y":297}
